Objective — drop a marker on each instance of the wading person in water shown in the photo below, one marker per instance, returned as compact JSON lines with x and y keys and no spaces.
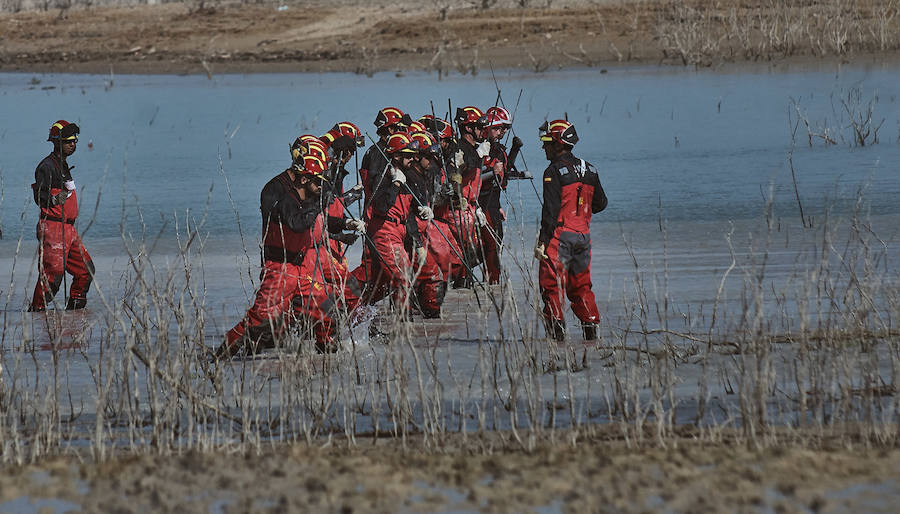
{"x":61,"y":249}
{"x":572,"y":193}
{"x":290,"y":208}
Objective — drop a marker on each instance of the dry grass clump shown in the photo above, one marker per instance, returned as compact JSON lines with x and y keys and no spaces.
{"x":766,"y":361}
{"x":701,"y":33}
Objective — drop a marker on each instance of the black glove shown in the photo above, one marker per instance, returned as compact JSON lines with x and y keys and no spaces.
{"x":516,"y":143}
{"x":352,"y":196}
{"x":348,"y":238}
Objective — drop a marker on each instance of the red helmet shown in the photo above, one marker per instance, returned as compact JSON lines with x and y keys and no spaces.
{"x":425,"y":142}
{"x":415,"y":126}
{"x":439,"y":127}
{"x":308,"y":145}
{"x":400,"y":143}
{"x":62,"y":130}
{"x":312,"y":166}
{"x":469,"y":116}
{"x":391,"y":116}
{"x":345,"y":135}
{"x":497,"y":117}
{"x":559,"y":131}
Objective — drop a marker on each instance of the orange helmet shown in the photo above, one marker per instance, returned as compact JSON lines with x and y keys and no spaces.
{"x":400,"y":143}
{"x":559,"y":131}
{"x":345,"y":135}
{"x":62,"y":130}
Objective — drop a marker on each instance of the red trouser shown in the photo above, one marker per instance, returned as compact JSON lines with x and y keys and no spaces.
{"x":264,"y":320}
{"x":491,"y":240}
{"x":391,"y":265}
{"x":315,"y":307}
{"x":442,"y":264}
{"x":361,"y":284}
{"x":568,"y":269}
{"x":61,"y":252}
{"x":462,"y":226}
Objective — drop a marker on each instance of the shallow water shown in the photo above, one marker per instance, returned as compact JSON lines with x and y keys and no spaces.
{"x":689,"y":160}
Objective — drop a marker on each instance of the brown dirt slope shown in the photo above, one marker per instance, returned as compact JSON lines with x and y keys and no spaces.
{"x":367,"y":37}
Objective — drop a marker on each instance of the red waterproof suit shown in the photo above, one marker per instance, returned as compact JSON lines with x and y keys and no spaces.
{"x":572,"y":193}
{"x":287,"y":224}
{"x":61,"y":248}
{"x":315,"y":307}
{"x":373,"y":174}
{"x":392,"y":221}
{"x":462,"y":221}
{"x":442,"y":263}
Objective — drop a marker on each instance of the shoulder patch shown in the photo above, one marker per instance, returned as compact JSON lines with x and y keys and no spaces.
{"x":548,"y":179}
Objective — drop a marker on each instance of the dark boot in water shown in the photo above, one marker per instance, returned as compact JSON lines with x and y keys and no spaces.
{"x":589,"y":330}
{"x":556,"y":329}
{"x":75,"y":304}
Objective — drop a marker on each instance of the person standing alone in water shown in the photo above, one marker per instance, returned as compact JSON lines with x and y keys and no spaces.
{"x":61,"y":249}
{"x":572,"y":194}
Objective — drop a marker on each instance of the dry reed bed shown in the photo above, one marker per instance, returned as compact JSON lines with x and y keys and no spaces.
{"x":704,"y":32}
{"x":815,"y":357}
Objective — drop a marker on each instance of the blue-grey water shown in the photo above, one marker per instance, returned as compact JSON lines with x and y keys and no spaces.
{"x":690,"y":159}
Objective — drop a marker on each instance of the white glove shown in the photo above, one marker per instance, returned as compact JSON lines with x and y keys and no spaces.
{"x":480,"y":217}
{"x":399,"y":176}
{"x":458,"y":158}
{"x":483,"y":149}
{"x":426,"y":213}
{"x":421,"y":255}
{"x":540,"y":253}
{"x":70,"y":187}
{"x":358,"y":226}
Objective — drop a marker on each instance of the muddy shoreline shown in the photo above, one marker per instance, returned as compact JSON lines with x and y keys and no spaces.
{"x":567,"y":471}
{"x":366,"y":38}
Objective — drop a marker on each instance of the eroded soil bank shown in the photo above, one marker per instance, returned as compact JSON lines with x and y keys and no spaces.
{"x":449,"y":36}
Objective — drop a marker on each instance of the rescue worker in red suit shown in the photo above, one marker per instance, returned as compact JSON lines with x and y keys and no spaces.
{"x":494,"y":180}
{"x":388,"y":121}
{"x":433,"y":194}
{"x":342,"y":142}
{"x":572,"y":193}
{"x":469,"y":161}
{"x":394,"y":230}
{"x":316,"y":308}
{"x":61,"y":249}
{"x":290,"y":208}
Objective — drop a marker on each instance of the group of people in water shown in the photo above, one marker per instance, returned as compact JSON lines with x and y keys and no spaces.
{"x":430,"y":214}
